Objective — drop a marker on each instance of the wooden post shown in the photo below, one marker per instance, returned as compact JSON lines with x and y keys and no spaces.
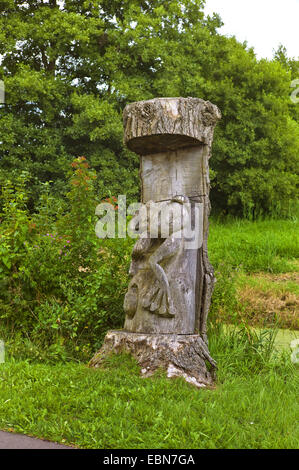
{"x":172,"y":280}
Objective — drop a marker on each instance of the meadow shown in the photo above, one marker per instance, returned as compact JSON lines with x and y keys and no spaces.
{"x":68,"y":70}
{"x":254,"y":403}
{"x":256,"y":265}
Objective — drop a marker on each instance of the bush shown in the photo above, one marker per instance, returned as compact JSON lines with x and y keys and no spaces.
{"x":61,"y":286}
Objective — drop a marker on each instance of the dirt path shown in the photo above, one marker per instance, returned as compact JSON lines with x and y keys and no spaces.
{"x":10,"y":440}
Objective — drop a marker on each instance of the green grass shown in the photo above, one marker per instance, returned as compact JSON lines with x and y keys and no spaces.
{"x":282,"y":338}
{"x":255,"y":403}
{"x":239,"y":249}
{"x":269,"y":245}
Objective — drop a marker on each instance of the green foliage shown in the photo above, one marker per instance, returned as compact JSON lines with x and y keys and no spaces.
{"x":61,"y":286}
{"x":16,"y":224}
{"x":70,"y":67}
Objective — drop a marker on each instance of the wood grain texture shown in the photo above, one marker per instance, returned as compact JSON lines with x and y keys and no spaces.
{"x":173,"y":136}
{"x":169,"y":295}
{"x":180,"y":355}
{"x":166,"y":124}
{"x":167,"y":174}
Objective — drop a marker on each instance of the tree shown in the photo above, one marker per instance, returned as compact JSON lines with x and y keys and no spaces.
{"x":71,"y":66}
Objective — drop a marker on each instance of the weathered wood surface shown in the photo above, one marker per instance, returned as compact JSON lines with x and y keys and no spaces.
{"x":173,"y":137}
{"x":180,"y":355}
{"x":179,"y":172}
{"x":169,"y":295}
{"x":149,"y":307}
{"x":166,"y":124}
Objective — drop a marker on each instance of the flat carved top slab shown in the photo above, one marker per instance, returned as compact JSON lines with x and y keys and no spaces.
{"x":168,"y":124}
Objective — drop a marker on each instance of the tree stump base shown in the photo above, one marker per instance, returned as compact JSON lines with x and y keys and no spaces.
{"x":184,"y":356}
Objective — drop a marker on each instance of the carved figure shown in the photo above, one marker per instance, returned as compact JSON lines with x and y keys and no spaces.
{"x":168,"y":219}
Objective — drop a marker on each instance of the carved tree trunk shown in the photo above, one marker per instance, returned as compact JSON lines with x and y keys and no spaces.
{"x":166,"y":124}
{"x":172,"y":281}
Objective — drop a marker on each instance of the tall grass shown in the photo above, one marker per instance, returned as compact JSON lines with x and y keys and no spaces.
{"x":242,"y":349}
{"x":265,"y":245}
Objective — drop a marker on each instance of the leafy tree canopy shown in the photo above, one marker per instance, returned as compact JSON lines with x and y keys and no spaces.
{"x":71,"y":66}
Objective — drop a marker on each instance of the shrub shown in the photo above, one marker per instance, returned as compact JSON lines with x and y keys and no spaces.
{"x":61,"y":286}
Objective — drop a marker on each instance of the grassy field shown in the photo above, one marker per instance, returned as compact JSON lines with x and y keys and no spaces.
{"x":270,"y":246}
{"x":257,"y":267}
{"x":255,"y":401}
{"x":255,"y":404}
